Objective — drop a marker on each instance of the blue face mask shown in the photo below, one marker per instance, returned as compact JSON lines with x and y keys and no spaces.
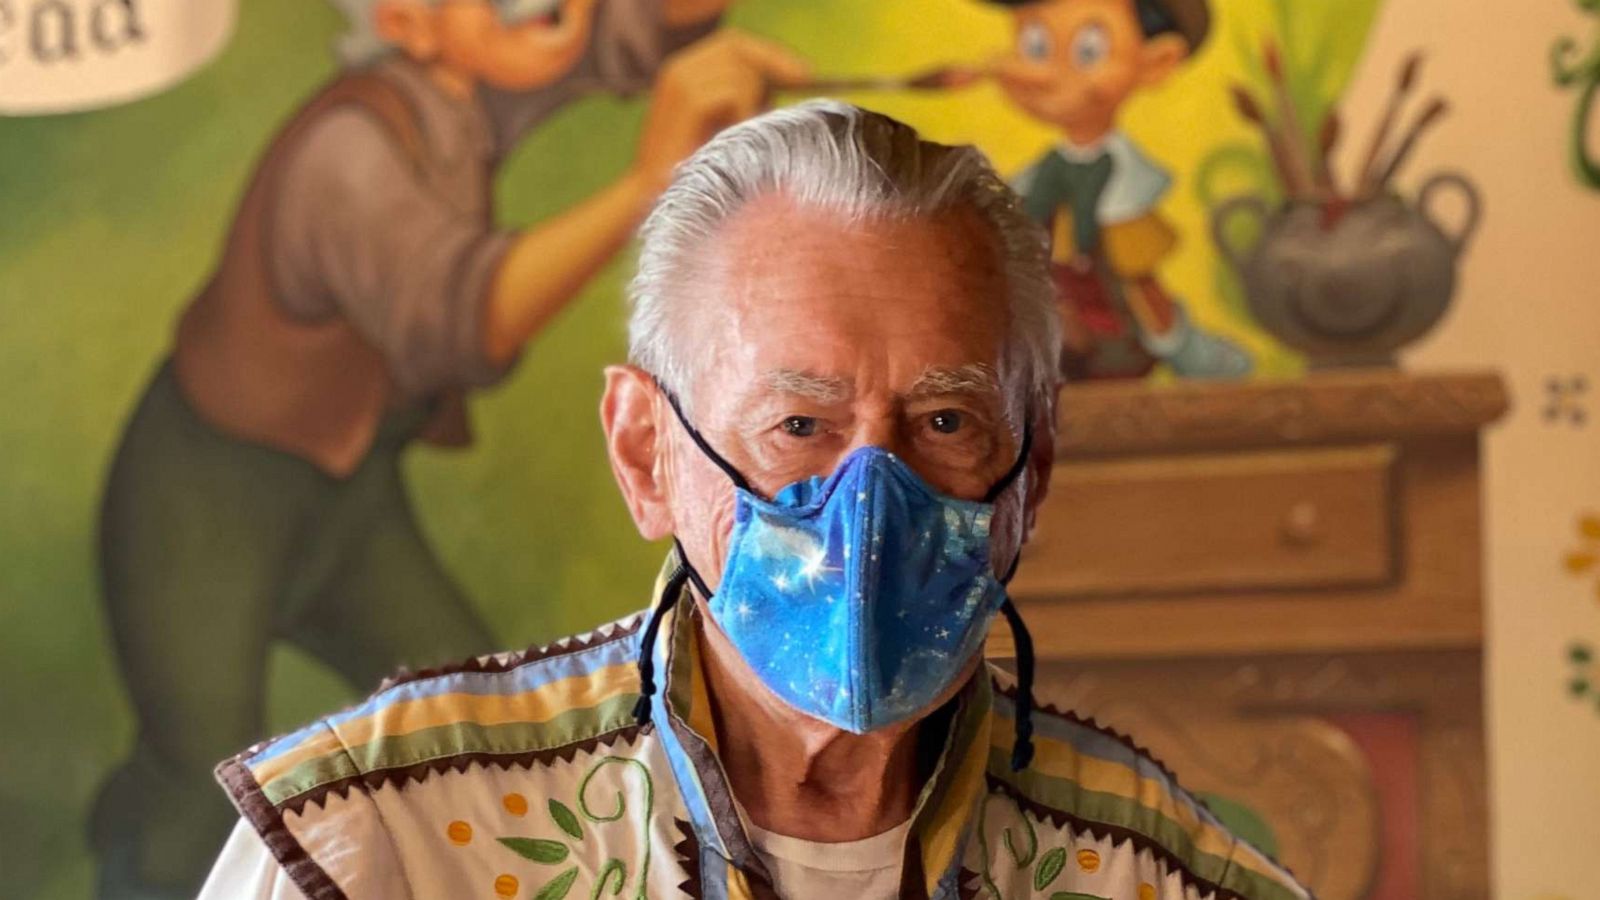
{"x":859,"y":598}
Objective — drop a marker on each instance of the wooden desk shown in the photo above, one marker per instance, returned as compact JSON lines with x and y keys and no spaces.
{"x":1277,"y":587}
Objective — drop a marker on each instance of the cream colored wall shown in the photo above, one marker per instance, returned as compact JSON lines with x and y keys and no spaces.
{"x":1528,"y":304}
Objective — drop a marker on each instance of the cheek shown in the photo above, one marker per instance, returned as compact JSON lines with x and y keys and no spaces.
{"x":703,"y":505}
{"x":1005,"y":536}
{"x":463,"y":30}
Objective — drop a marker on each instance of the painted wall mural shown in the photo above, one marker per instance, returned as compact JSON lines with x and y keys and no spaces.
{"x":64,"y":55}
{"x":245,"y":248}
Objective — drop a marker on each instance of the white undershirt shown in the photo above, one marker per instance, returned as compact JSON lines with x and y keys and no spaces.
{"x":868,"y":869}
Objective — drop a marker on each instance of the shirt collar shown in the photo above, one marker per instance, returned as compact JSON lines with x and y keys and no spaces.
{"x":941,"y":817}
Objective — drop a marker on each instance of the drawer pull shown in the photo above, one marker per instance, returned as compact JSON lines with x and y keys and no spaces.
{"x":1302,"y":526}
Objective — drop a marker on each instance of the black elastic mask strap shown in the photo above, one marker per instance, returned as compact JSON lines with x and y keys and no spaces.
{"x":647,"y":644}
{"x":700,"y":441}
{"x":1015,"y":472}
{"x":1022,"y":749}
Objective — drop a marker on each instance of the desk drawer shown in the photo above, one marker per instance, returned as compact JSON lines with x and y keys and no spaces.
{"x":1292,"y":519}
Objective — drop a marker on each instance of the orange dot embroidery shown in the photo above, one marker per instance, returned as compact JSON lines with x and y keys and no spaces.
{"x":459,"y":833}
{"x":516,"y":804}
{"x":506,"y":886}
{"x":1147,"y":891}
{"x":1088,"y":860}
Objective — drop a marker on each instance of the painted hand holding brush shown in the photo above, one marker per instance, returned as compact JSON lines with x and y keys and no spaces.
{"x":940,"y":78}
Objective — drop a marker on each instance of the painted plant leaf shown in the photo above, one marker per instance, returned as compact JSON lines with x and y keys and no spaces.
{"x":558,"y":886}
{"x":1049,"y":867}
{"x":537,"y":849}
{"x":1579,"y":562}
{"x":564,"y":819}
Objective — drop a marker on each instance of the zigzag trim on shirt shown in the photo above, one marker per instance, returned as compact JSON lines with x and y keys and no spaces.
{"x":1009,"y":691}
{"x":399,"y":778}
{"x":1255,"y":870}
{"x":1258,"y":886}
{"x":505,"y":662}
{"x":267,"y":820}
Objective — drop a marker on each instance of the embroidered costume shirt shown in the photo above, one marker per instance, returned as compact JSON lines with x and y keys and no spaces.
{"x":526,"y":775}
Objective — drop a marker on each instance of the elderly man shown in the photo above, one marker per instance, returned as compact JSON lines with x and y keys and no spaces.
{"x":839,"y":407}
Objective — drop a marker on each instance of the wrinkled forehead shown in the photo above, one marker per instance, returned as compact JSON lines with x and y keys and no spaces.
{"x":813,"y":301}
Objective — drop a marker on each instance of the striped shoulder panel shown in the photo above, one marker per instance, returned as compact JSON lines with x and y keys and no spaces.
{"x":510,"y":708}
{"x":1092,"y":778}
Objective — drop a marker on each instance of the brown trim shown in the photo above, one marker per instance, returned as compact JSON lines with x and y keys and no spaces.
{"x":688,"y":853}
{"x":493,"y":664}
{"x":401,"y":776}
{"x":1010,"y":693}
{"x":268,"y":822}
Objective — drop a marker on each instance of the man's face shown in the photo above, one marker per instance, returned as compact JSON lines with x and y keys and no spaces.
{"x":513,"y":45}
{"x":1075,"y":62}
{"x":814,"y":337}
{"x":818,"y":337}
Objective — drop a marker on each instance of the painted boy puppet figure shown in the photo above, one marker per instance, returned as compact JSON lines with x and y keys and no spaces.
{"x":844,"y":349}
{"x":364,"y":288}
{"x":1076,"y":62}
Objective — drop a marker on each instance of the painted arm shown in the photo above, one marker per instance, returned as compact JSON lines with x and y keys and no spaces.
{"x":706,"y":87}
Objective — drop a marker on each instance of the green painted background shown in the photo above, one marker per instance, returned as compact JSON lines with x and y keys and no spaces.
{"x":109,"y":220}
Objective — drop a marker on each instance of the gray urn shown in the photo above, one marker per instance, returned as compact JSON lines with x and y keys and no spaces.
{"x":1350,"y":286}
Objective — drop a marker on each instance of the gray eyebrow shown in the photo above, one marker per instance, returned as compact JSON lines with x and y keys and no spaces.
{"x":821,"y":388}
{"x":973,"y":378}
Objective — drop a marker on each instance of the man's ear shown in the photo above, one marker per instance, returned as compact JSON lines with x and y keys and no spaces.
{"x":408,"y":25}
{"x":1159,"y":55}
{"x":635,"y":442}
{"x":1041,"y":465}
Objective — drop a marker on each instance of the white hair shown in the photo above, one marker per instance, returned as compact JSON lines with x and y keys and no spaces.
{"x":860,"y":164}
{"x":360,"y":44}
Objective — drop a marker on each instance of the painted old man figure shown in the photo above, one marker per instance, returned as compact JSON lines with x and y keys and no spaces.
{"x":365,"y":287}
{"x":844,"y":348}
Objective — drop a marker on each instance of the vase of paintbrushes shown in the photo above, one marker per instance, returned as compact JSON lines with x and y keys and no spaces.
{"x":1347,"y":276}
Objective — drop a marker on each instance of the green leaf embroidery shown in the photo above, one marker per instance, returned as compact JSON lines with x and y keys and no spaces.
{"x":564,"y":819}
{"x":537,"y":849}
{"x":615,"y":867}
{"x":1049,"y":867}
{"x":559,"y":886}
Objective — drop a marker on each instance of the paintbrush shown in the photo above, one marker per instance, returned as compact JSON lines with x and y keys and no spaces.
{"x":1327,"y":139}
{"x":1294,"y":136}
{"x":1367,"y":176}
{"x":936,"y":79}
{"x":1430,"y":116}
{"x":1251,"y":111}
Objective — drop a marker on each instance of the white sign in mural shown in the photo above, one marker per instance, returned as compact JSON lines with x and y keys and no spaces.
{"x":66,"y":55}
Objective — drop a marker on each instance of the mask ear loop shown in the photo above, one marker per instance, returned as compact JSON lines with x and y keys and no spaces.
{"x":700,"y":441}
{"x":1015,"y":472}
{"x":647,"y":643}
{"x":1022,"y":748}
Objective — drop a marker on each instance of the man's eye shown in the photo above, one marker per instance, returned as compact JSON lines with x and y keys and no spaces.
{"x":1033,"y":42}
{"x":799,"y":426}
{"x":946,"y":421}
